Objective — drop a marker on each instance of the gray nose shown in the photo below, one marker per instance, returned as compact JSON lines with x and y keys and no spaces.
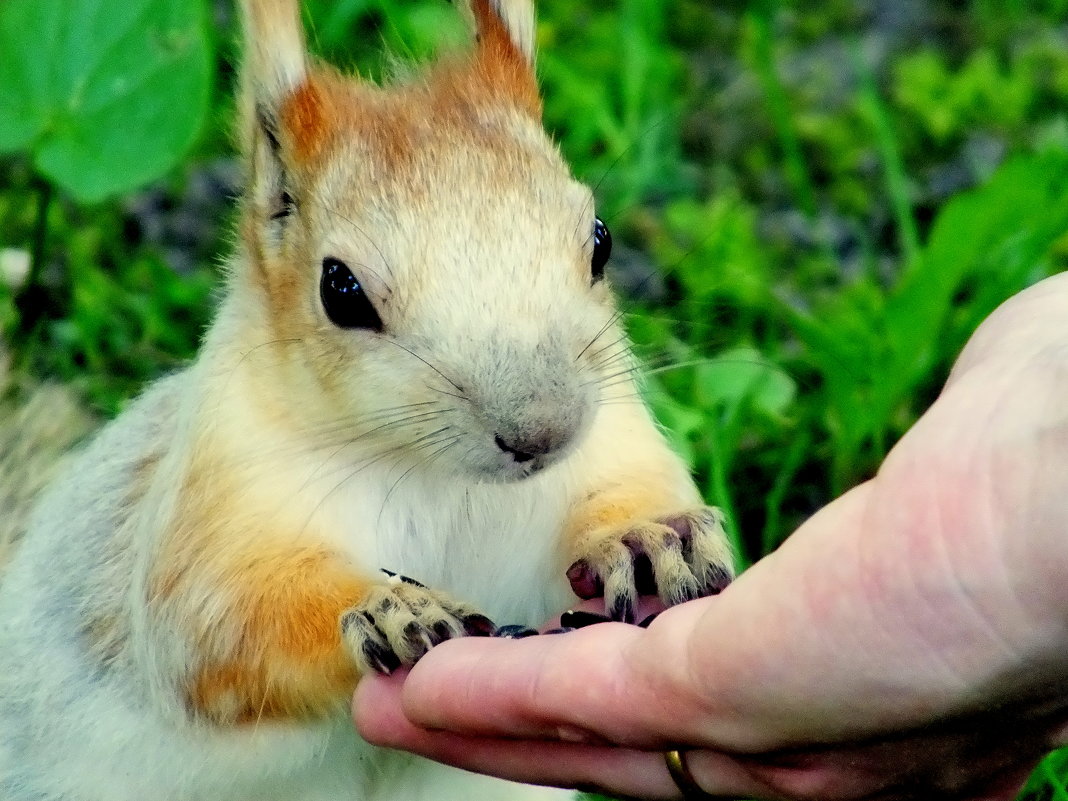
{"x":524,"y":448}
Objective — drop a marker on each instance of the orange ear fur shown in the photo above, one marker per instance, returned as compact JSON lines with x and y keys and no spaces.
{"x":505,"y":65}
{"x":306,"y":121}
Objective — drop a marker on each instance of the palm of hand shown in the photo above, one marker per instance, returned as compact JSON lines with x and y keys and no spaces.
{"x":909,"y":641}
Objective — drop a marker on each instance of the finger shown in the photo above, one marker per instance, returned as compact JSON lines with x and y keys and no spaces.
{"x":944,"y":766}
{"x":580,"y":680}
{"x":578,"y":760}
{"x":381,"y":722}
{"x":586,"y":766}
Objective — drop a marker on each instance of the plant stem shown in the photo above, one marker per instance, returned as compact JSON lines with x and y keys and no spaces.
{"x":779,"y":106}
{"x":40,"y":235}
{"x":722,"y":434}
{"x":31,"y":299}
{"x":773,"y":534}
{"x":897,"y":184}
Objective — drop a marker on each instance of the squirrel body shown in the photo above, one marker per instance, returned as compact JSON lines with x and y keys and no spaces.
{"x":412,"y":369}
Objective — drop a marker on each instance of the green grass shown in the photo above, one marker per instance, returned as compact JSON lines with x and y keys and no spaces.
{"x":808,"y":235}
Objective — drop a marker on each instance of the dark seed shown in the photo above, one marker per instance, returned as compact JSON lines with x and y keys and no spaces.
{"x":579,"y":619}
{"x":514,"y":632}
{"x":478,"y":626}
{"x":405,"y":579}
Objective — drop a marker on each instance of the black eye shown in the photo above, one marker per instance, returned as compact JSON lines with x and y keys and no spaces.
{"x":344,"y":300}
{"x":602,"y":249}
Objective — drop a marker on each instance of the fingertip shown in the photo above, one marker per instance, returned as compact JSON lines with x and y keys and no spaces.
{"x":376,"y":708}
{"x":446,"y":678}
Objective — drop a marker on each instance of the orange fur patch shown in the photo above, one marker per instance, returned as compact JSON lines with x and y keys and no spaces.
{"x":259,"y":608}
{"x":289,"y":660}
{"x":306,"y":120}
{"x":502,"y":68}
{"x":606,"y":512}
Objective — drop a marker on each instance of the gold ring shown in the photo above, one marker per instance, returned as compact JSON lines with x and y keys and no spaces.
{"x":680,"y":773}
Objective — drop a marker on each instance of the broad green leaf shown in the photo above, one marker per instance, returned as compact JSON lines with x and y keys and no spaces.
{"x":743,"y":375}
{"x":105,"y":94}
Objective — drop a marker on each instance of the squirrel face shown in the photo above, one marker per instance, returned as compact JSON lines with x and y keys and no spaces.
{"x":429,"y":263}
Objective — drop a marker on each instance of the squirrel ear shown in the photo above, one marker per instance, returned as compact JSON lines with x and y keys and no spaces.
{"x":275,"y":58}
{"x":283,"y":120}
{"x":505,"y":54}
{"x":505,"y":21}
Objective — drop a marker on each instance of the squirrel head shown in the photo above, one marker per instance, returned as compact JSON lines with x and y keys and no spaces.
{"x":418,"y":255}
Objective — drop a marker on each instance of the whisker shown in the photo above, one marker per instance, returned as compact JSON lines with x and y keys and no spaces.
{"x":663,"y":118}
{"x":379,"y":457}
{"x":598,"y":335}
{"x":450,"y":394}
{"x":317,"y":200}
{"x":414,"y":467}
{"x":392,"y":341}
{"x":603,"y":380}
{"x":410,"y":420}
{"x":621,"y":340}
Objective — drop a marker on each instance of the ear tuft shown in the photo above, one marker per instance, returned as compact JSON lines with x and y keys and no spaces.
{"x":501,"y":22}
{"x":275,"y":95}
{"x":274,"y":64}
{"x":275,"y":56}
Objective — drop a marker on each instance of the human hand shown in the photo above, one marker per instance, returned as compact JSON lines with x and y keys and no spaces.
{"x":910,"y":641}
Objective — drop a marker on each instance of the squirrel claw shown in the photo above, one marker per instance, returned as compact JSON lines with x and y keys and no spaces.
{"x":399,"y":621}
{"x":678,"y":558}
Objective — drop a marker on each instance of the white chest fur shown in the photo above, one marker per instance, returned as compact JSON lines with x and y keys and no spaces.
{"x":496,"y":546}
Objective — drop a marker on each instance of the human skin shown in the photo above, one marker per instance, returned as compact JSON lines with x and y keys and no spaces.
{"x":909,"y":641}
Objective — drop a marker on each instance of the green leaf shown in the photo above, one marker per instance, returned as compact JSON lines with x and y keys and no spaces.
{"x":105,"y":94}
{"x":744,"y":375}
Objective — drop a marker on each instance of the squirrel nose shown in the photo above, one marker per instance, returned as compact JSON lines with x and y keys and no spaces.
{"x":523,"y":449}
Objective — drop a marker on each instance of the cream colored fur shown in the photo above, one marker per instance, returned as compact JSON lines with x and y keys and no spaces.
{"x":157,"y":559}
{"x":38,"y":424}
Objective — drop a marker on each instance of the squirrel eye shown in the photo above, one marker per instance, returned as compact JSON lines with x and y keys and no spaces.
{"x":602,"y":249}
{"x":345,"y":302}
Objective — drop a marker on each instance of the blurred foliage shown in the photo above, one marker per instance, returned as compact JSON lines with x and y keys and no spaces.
{"x":75,"y":85}
{"x":813,"y":204}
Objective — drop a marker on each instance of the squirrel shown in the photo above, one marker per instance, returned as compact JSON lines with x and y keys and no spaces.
{"x":417,"y":365}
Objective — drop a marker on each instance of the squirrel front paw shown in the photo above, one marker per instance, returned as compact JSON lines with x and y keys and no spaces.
{"x":401,"y":619}
{"x":679,"y":557}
